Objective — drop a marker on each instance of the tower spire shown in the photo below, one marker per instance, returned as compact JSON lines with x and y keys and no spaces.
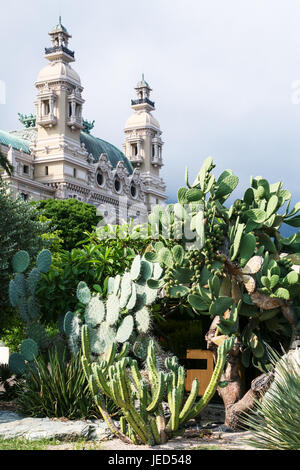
{"x":60,"y":44}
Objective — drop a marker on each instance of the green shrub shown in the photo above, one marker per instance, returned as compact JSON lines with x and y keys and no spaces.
{"x":93,"y":263}
{"x":19,"y":229}
{"x":57,"y":389}
{"x":71,"y":217}
{"x":12,"y":331}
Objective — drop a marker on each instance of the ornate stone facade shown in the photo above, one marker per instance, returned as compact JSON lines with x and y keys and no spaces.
{"x":55,"y":155}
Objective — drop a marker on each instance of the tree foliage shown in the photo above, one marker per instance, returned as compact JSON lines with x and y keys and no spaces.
{"x":19,"y":229}
{"x":71,"y":217}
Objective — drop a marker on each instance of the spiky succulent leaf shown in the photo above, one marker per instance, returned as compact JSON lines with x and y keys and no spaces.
{"x":33,"y":279}
{"x":112,"y":309}
{"x":68,"y":323}
{"x":132,"y":300}
{"x":20,"y":261}
{"x":107,"y":333}
{"x":20,"y":284}
{"x":17,"y":363}
{"x":125,"y":290}
{"x":94,"y":312}
{"x":29,"y":349}
{"x":157,"y":271}
{"x":33,"y":307}
{"x":44,"y":260}
{"x":136,"y":268}
{"x":146,"y":270}
{"x":143,"y":320}
{"x":83,"y":293}
{"x":125,"y":330}
{"x":117,"y":284}
{"x":13,"y":294}
{"x":97,"y":343}
{"x":151,"y":295}
{"x":37,"y":332}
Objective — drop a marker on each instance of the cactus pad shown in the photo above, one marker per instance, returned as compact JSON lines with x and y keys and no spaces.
{"x":17,"y":363}
{"x":29,"y":349}
{"x":143,"y":320}
{"x":83,"y":293}
{"x":94,"y":312}
{"x":44,"y":260}
{"x":37,"y":332}
{"x":126,"y":289}
{"x":132,"y":300}
{"x":13,"y":294}
{"x":33,"y":308}
{"x":33,"y":278}
{"x":112,"y":309}
{"x":125,"y":330}
{"x":20,"y":261}
{"x":20,"y":284}
{"x":135,"y":268}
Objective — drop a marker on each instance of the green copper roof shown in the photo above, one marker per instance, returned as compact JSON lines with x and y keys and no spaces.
{"x":92,"y":144}
{"x":97,"y":146}
{"x":59,"y":27}
{"x":143,"y":82}
{"x":16,"y":142}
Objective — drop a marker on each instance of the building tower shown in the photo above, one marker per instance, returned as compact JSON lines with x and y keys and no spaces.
{"x":143,"y":145}
{"x":60,"y":158}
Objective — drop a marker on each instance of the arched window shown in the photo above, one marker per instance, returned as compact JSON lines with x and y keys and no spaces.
{"x":133,"y":190}
{"x":118,"y":185}
{"x":100,"y":178}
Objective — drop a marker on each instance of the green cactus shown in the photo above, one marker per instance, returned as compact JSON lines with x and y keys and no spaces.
{"x":94,"y":312}
{"x":122,"y":315}
{"x":125,"y":329}
{"x":29,"y":349}
{"x":22,"y":296}
{"x":121,"y":381}
{"x":17,"y":363}
{"x":83,"y":293}
{"x":43,"y":261}
{"x":20,"y":261}
{"x":37,"y":332}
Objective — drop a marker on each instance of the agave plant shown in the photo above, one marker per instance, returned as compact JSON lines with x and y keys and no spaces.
{"x":275,"y":422}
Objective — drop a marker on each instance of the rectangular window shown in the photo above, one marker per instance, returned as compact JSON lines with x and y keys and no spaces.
{"x":46,"y":107}
{"x":26,"y":169}
{"x":46,"y":171}
{"x":74,"y":172}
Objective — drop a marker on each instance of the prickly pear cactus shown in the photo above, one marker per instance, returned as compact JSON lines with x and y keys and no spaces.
{"x":123,"y":316}
{"x":231,"y":262}
{"x":18,"y":362}
{"x":22,"y":296}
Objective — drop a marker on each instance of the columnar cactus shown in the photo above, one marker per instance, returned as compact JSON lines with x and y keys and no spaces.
{"x":124,"y":315}
{"x":118,"y":377}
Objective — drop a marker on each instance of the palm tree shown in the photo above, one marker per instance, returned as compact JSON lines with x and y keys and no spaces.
{"x":4,"y":163}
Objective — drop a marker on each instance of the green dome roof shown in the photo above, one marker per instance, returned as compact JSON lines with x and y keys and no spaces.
{"x":97,"y":146}
{"x":59,"y":28}
{"x":16,"y":142}
{"x":92,"y":144}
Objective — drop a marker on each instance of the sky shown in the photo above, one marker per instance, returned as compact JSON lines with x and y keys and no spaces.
{"x":225,"y":76}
